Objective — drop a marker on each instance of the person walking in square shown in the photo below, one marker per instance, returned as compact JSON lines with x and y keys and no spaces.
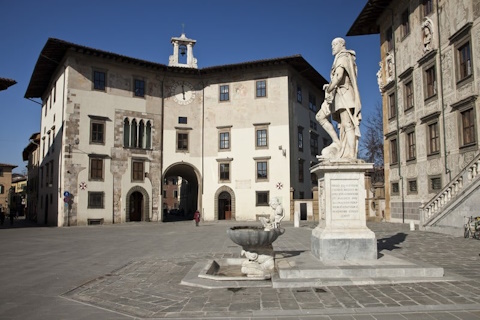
{"x":196,"y":217}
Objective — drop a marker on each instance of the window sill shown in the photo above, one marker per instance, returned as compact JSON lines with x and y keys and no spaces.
{"x":433,"y":155}
{"x":410,"y":109}
{"x":465,"y":80}
{"x":431,"y":98}
{"x":469,"y":147}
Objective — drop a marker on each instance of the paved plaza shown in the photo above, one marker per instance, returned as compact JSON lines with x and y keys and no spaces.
{"x":134,"y":270}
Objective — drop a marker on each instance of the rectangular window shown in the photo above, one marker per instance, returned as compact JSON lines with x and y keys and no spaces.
{"x":435,"y":184}
{"x":433,"y":139}
{"x":139,"y":88}
{"x":164,"y":193}
{"x":224,"y":93}
{"x":262,"y":170}
{"x":300,"y":139}
{"x":409,"y":95}
{"x":262,"y":138}
{"x":299,"y":94}
{"x":468,"y":127}
{"x":313,"y":144}
{"x":95,"y":200}
{"x":138,"y":172}
{"x":427,"y":7}
{"x":224,"y":171}
{"x":96,"y":169}
{"x":412,"y":186}
{"x":261,"y":86}
{"x":182,"y":141}
{"x":182,"y":120}
{"x":99,"y":80}
{"x":405,"y":23}
{"x":262,"y":198}
{"x":431,"y":82}
{"x":392,"y":108}
{"x":395,"y":188}
{"x":411,"y":146}
{"x":464,"y":61}
{"x":393,"y":151}
{"x":224,"y":143}
{"x":300,"y":170}
{"x":175,"y":194}
{"x":97,"y":132}
{"x":389,"y":39}
{"x":312,"y":102}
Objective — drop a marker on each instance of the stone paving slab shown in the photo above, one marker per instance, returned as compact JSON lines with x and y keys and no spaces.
{"x":151,"y":288}
{"x":135,"y":270}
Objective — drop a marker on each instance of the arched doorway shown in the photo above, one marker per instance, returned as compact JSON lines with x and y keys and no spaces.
{"x":181,"y":192}
{"x":224,"y":206}
{"x":136,"y":206}
{"x":225,"y":203}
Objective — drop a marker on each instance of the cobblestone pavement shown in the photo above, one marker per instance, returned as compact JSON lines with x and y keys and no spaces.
{"x":134,"y":271}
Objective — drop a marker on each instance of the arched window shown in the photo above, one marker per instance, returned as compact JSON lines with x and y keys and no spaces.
{"x":133,"y":140}
{"x":126,"y":133}
{"x":149,"y":136}
{"x":2,"y":189}
{"x":141,"y":132}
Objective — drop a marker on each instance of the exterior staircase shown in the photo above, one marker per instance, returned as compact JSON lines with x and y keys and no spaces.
{"x":449,"y":210}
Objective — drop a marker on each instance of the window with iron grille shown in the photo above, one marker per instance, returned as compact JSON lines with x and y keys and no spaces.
{"x":261,"y":86}
{"x":224,"y":93}
{"x":99,"y":82}
{"x":139,"y":88}
{"x":433,"y":139}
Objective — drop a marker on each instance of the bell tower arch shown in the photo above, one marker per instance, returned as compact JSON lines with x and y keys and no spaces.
{"x":182,"y":46}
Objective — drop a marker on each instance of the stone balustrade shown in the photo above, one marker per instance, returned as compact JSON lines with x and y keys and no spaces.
{"x":450,"y":192}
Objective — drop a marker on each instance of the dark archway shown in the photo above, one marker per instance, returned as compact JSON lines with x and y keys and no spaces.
{"x":224,"y":203}
{"x":137,"y":205}
{"x":224,"y":206}
{"x":181,"y":192}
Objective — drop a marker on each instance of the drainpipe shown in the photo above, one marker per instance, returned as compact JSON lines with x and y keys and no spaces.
{"x":445,"y":154}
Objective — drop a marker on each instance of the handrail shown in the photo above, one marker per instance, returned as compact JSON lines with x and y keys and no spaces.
{"x":432,"y":208}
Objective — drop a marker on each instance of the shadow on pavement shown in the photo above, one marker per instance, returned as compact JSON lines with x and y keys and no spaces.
{"x":391,"y":243}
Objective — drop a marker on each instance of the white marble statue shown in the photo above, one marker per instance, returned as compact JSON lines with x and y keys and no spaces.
{"x":427,"y":27}
{"x":379,"y":77}
{"x":342,"y":102}
{"x":278,"y":215}
{"x":257,"y":265}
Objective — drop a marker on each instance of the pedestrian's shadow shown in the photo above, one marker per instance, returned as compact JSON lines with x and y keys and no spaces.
{"x":391,"y":243}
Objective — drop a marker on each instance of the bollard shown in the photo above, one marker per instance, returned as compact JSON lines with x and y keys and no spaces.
{"x":412,"y":226}
{"x":296,"y":219}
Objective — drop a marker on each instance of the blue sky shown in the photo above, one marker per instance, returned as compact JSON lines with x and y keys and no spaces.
{"x":226,"y":32}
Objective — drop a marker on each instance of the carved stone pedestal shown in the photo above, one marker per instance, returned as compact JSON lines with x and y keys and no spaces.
{"x":344,"y":234}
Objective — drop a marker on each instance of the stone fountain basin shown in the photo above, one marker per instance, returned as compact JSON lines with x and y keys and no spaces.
{"x":253,"y":237}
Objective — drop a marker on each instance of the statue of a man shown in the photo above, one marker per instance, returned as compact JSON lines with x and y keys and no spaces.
{"x":342,"y":101}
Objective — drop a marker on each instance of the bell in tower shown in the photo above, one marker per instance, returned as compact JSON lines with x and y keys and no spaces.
{"x":182,"y":46}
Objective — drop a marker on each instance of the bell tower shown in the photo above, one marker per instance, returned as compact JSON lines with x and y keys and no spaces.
{"x":182,"y":46}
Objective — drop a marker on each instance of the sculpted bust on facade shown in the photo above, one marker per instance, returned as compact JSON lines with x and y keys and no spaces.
{"x":342,"y":102}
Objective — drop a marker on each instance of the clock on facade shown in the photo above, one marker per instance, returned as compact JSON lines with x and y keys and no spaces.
{"x":183,"y":93}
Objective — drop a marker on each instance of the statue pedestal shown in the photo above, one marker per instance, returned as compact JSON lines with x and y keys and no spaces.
{"x":344,"y":234}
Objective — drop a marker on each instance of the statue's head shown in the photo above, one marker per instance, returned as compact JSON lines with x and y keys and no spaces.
{"x":274,"y":202}
{"x":338,"y":44}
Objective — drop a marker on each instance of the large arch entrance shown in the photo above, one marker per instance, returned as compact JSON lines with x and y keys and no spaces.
{"x":138,"y":204}
{"x":224,"y":203}
{"x":181,"y":192}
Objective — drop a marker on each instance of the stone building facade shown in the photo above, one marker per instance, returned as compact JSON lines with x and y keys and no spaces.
{"x":113,"y":128}
{"x":430,"y":79}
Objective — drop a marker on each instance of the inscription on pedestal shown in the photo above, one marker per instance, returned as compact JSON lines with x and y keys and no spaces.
{"x":344,"y":199}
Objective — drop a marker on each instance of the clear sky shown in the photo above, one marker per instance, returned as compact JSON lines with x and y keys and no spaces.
{"x":226,"y":31}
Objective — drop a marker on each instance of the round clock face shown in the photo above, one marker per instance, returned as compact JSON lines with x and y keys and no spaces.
{"x":183,"y":93}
